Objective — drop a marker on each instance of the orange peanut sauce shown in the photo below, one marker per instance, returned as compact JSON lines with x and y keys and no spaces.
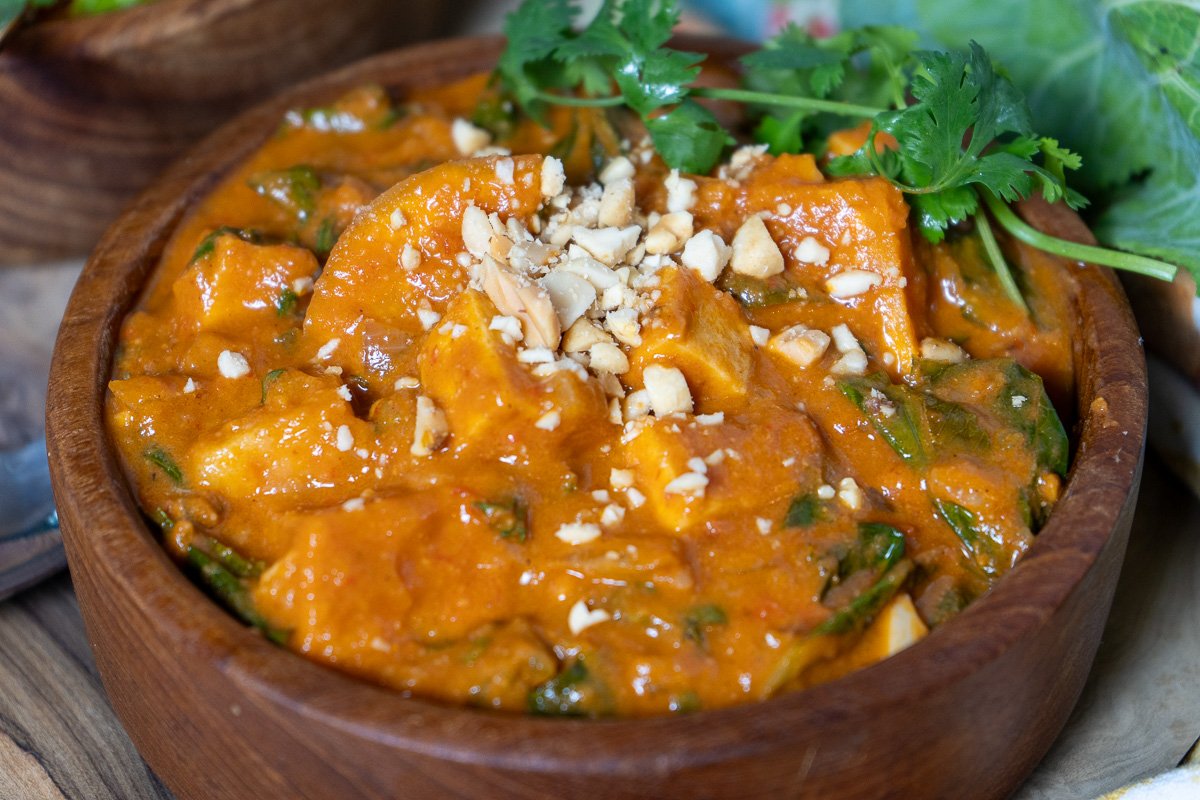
{"x":700,"y":487}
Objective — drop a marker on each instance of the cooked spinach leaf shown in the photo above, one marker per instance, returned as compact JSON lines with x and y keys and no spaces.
{"x":209,"y":243}
{"x":980,"y":549}
{"x":294,"y":189}
{"x":894,"y":411}
{"x":864,"y":607}
{"x":804,"y":511}
{"x":563,"y":695}
{"x":226,"y":587}
{"x":160,"y":458}
{"x":699,"y":619}
{"x":509,"y":518}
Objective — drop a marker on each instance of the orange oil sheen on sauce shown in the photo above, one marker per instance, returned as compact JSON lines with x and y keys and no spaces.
{"x":631,"y":443}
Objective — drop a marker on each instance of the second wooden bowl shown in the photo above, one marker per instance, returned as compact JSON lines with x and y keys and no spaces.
{"x":221,"y":714}
{"x":93,"y":108}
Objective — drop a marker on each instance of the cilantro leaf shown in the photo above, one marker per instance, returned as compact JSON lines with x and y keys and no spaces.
{"x":534,"y":30}
{"x":968,"y":126}
{"x":795,"y":64}
{"x":1119,"y":83}
{"x":689,"y":137}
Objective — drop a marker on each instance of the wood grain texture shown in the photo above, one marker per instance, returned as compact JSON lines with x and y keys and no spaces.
{"x":57,"y":738}
{"x":1140,"y":712}
{"x":220,"y":713}
{"x":94,"y":108}
{"x":1139,"y":703}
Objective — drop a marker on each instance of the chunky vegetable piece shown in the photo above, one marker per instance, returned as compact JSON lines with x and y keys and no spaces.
{"x":584,"y":436}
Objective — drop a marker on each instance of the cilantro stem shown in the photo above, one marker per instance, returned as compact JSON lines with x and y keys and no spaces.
{"x":580,"y":102}
{"x":1077,"y":252}
{"x":999,"y":263}
{"x":790,"y":101}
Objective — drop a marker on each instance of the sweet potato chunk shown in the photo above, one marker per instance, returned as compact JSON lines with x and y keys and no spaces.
{"x":343,"y":598}
{"x":474,"y":377}
{"x":862,"y":223}
{"x":305,"y":450}
{"x":399,"y":254}
{"x":459,"y":547}
{"x":240,"y":285}
{"x":699,"y":330}
{"x":753,"y":462}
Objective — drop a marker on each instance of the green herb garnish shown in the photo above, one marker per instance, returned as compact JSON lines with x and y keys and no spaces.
{"x":270,"y":378}
{"x":509,"y":518}
{"x":295,"y":189}
{"x":286,"y":304}
{"x":965,"y":142}
{"x":562,"y":695}
{"x":698,"y":620}
{"x":160,"y":458}
{"x":804,"y":511}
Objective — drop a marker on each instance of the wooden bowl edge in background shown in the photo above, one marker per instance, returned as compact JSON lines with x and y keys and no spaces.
{"x":96,"y":107}
{"x":335,"y":734}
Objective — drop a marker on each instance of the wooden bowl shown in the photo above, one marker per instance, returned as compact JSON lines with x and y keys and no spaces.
{"x":219,"y":712}
{"x":95,"y":107}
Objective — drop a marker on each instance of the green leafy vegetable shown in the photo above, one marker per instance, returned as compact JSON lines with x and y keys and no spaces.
{"x":227,"y":557}
{"x":209,"y":243}
{"x":163,"y":519}
{"x":968,"y":126}
{"x":286,"y":304}
{"x":270,"y":378}
{"x":760,"y":292}
{"x":88,"y":8}
{"x":1020,"y":402}
{"x":562,"y":695}
{"x":967,"y":134}
{"x":865,"y":606}
{"x":326,"y":237}
{"x":804,"y":511}
{"x":496,"y":114}
{"x":1119,"y":83}
{"x":229,"y":589}
{"x":294,"y":190}
{"x":510,"y":518}
{"x":622,"y":46}
{"x":880,"y":547}
{"x":699,"y":619}
{"x":11,"y":10}
{"x":795,"y":64}
{"x":980,"y":549}
{"x":894,"y":412}
{"x":160,"y":458}
{"x":688,"y":136}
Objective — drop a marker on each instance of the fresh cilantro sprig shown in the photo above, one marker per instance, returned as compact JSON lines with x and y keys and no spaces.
{"x":548,"y":62}
{"x":968,"y":128}
{"x":964,"y":135}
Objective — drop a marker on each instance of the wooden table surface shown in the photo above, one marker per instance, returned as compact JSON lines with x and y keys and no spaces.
{"x":59,"y":739}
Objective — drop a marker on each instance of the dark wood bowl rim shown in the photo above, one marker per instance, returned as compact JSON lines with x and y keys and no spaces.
{"x":1104,"y":475}
{"x":103,"y":36}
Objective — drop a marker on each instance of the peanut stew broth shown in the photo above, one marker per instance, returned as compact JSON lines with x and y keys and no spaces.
{"x":630,"y":443}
